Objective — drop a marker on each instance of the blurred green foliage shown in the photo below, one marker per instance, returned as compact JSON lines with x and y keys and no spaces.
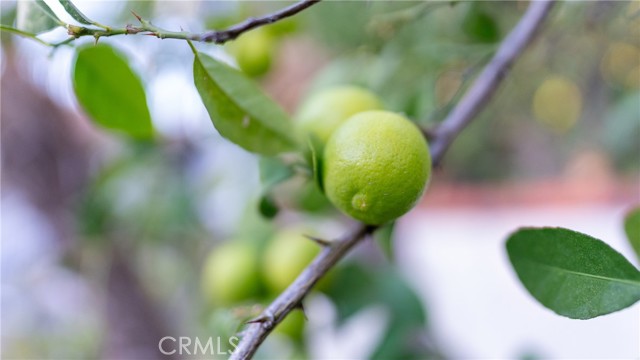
{"x":420,"y":57}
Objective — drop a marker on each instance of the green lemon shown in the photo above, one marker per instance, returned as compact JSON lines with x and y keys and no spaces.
{"x":288,"y":253}
{"x":557,"y":103}
{"x":253,"y":52}
{"x":376,"y":166}
{"x":231,"y":274}
{"x":325,"y":111}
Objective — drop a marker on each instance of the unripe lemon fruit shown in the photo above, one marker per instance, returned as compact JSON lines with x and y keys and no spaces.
{"x":376,"y":167}
{"x":230,"y":274}
{"x":288,"y":253}
{"x":557,"y":103}
{"x":325,"y":111}
{"x":253,"y":52}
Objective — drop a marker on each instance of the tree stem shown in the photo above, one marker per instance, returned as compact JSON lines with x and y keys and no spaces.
{"x":489,"y":79}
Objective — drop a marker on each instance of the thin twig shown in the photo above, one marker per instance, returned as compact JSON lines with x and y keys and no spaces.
{"x":488,"y":81}
{"x":292,"y":297}
{"x":147,"y":28}
{"x":24,"y":34}
{"x":222,"y":36}
{"x":470,"y":105}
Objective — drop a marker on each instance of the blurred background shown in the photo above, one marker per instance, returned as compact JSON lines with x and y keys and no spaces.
{"x":106,"y":241}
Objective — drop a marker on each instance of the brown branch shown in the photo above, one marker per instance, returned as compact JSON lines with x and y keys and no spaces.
{"x":488,"y":81}
{"x":222,"y":36}
{"x":291,"y":298}
{"x":470,"y":105}
{"x":148,"y":28}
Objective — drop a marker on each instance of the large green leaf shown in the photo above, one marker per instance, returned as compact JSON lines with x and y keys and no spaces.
{"x":35,"y":16}
{"x":110,"y":92}
{"x":240,"y":111}
{"x":571,"y":273}
{"x":632,"y":228}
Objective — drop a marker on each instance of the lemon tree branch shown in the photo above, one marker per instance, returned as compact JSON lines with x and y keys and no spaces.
{"x":222,"y":36}
{"x":469,"y":106}
{"x":147,"y":28}
{"x":489,"y":79}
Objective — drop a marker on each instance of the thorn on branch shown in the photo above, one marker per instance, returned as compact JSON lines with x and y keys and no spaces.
{"x":266,"y":319}
{"x":319,"y":241}
{"x":136,"y":15}
{"x":300,"y":306}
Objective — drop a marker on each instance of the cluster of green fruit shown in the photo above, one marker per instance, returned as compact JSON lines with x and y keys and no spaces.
{"x":375,"y":167}
{"x":237,"y":272}
{"x":375,"y":164}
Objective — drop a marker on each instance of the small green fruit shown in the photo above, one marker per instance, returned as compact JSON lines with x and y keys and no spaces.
{"x":325,"y":111}
{"x":230,"y":274}
{"x":286,"y":256}
{"x":254,"y":52}
{"x":376,"y":167}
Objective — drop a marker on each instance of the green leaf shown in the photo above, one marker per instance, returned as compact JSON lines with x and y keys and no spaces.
{"x":384,"y":237}
{"x":632,"y":228}
{"x":110,"y":92}
{"x":272,"y":172}
{"x":35,"y":17}
{"x":47,"y":10}
{"x":353,"y":287}
{"x":402,"y":339}
{"x":239,"y":110}
{"x":309,"y":198}
{"x":573,"y":274}
{"x":316,"y":161}
{"x":75,"y":13}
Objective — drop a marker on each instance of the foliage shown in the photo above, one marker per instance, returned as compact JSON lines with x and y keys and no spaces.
{"x":110,"y":92}
{"x":573,"y":274}
{"x":632,"y":228}
{"x":239,"y":110}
